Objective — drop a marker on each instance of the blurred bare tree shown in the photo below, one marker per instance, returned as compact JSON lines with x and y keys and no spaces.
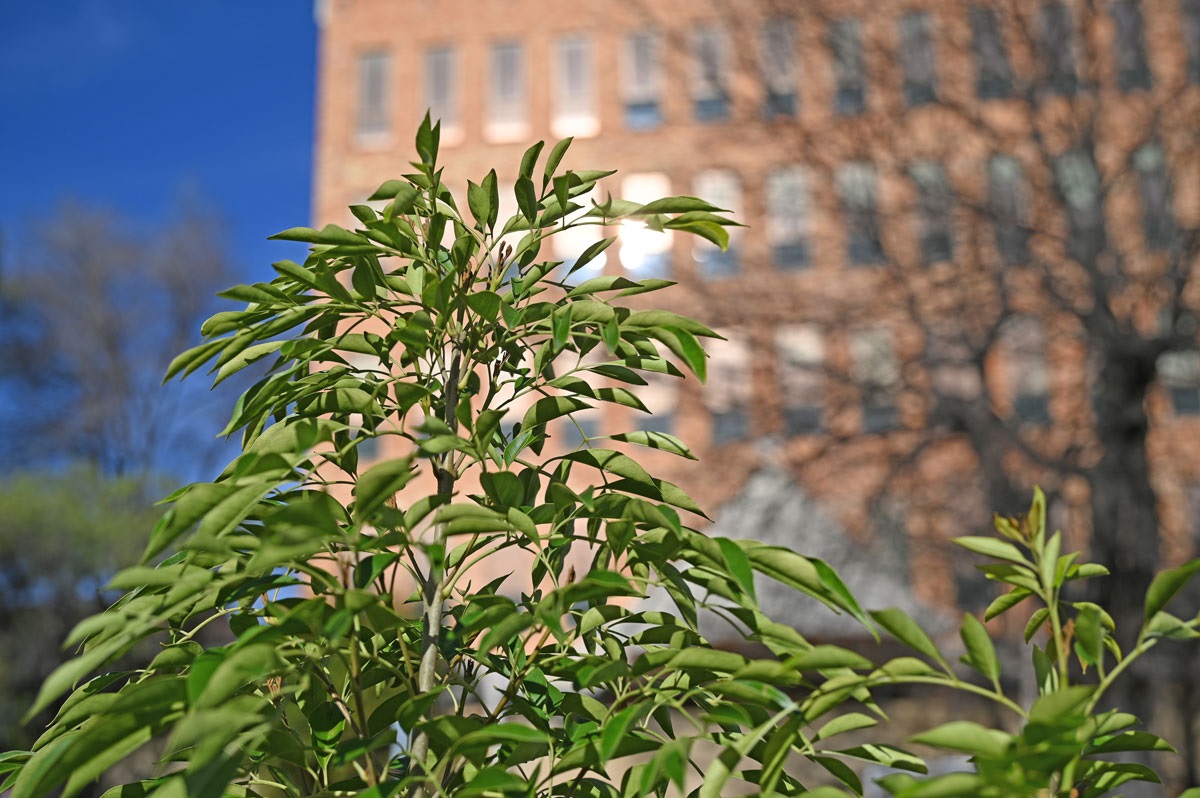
{"x":94,"y":312}
{"x":989,"y":216}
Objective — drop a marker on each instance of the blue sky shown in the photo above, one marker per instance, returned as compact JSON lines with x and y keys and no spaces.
{"x":132,"y":103}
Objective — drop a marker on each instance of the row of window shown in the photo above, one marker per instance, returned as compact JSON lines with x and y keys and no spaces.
{"x":803,"y":372}
{"x":789,"y":207}
{"x":573,"y":91}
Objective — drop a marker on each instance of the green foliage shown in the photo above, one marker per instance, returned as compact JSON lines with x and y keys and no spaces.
{"x":483,"y":613}
{"x":1062,"y":741}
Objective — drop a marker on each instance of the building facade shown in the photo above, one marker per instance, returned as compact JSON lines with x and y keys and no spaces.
{"x":970,"y":248}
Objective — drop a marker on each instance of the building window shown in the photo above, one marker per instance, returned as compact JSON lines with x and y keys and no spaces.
{"x":856,"y":189}
{"x":788,"y":211}
{"x":845,"y":40}
{"x":645,"y":252}
{"x":441,"y":86}
{"x":722,"y":188}
{"x":873,"y":366}
{"x":993,"y":74}
{"x":641,"y":81}
{"x":710,"y":74}
{"x":1058,"y":49}
{"x":801,"y":357}
{"x":1008,"y":198}
{"x":777,"y":60}
{"x":1179,"y":372}
{"x":1026,"y":372}
{"x":917,"y":59}
{"x":1133,"y":70}
{"x":574,"y":89}
{"x":506,"y":111}
{"x":1079,"y":185}
{"x":953,"y":369}
{"x":1158,"y":219}
{"x":935,"y":212}
{"x":660,"y":395}
{"x":373,"y":68}
{"x":727,"y":394}
{"x":1190,"y":10}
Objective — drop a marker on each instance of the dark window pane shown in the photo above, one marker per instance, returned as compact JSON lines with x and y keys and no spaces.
{"x":917,"y":59}
{"x":710,"y":96}
{"x":790,"y":256}
{"x":711,"y":109}
{"x":1133,"y":70}
{"x":993,"y":74}
{"x":713,"y":264}
{"x":934,"y":208}
{"x":1185,"y":401}
{"x":804,"y":420}
{"x":1009,"y":206}
{"x":642,"y":115}
{"x":779,"y":104}
{"x":856,"y":188}
{"x":880,"y":417}
{"x":1032,"y":408}
{"x":1079,"y":185}
{"x":641,"y":78}
{"x":729,"y":425}
{"x":777,"y":60}
{"x":787,"y":217}
{"x":849,"y":73}
{"x":800,"y":352}
{"x":1158,"y":218}
{"x":1058,"y":49}
{"x":1190,"y":9}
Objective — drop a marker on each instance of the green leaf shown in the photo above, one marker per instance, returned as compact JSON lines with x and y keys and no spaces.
{"x":991,"y":547}
{"x":1048,"y":566}
{"x":738,"y":564}
{"x":529,"y":159}
{"x":850,"y":721}
{"x":966,"y":737}
{"x":1062,"y":705}
{"x":684,"y":346}
{"x":656,"y":440}
{"x":589,"y":254}
{"x":981,"y":653}
{"x":900,"y":626}
{"x":1128,"y":741}
{"x":550,"y":408}
{"x":479,"y":203}
{"x":379,"y":484}
{"x":677,"y":205}
{"x":614,"y":730}
{"x":1089,"y":635}
{"x":826,"y":657}
{"x":554,"y":159}
{"x":331,"y":234}
{"x":526,"y":198}
{"x":1166,"y":585}
{"x":1035,"y":622}
{"x":1006,"y":602}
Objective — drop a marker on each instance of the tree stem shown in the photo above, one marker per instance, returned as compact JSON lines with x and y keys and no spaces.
{"x":432,"y":590}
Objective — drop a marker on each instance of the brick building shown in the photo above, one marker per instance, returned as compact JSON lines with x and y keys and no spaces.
{"x":972,"y":231}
